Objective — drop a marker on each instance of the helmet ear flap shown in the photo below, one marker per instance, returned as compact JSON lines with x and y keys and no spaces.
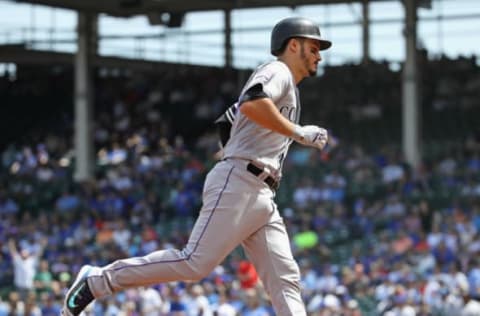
{"x":282,"y":47}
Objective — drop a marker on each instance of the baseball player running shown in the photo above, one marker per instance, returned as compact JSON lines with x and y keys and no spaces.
{"x":238,"y":195}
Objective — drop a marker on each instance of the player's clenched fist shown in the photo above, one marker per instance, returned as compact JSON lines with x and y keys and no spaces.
{"x":311,"y":135}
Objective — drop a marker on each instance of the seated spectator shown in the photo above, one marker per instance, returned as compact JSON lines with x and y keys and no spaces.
{"x":224,"y":307}
{"x":402,"y":243}
{"x":198,"y":303}
{"x":253,"y":305}
{"x":151,"y":302}
{"x":67,"y":202}
{"x":7,"y":204}
{"x":247,"y":275}
{"x":43,"y":278}
{"x":49,"y":306}
{"x":392,"y":172}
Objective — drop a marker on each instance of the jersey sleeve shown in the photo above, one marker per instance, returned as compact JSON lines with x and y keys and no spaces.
{"x":273,"y":81}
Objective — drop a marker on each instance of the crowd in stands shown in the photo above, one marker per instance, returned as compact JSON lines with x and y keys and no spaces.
{"x":372,"y":235}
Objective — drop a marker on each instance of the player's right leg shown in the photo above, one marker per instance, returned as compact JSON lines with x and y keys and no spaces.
{"x":227,"y":217}
{"x":269,"y":250}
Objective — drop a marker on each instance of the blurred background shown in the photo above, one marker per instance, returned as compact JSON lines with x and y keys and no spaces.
{"x":107,"y":110}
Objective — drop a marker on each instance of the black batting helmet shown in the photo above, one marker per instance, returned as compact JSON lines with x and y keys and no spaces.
{"x":295,"y":27}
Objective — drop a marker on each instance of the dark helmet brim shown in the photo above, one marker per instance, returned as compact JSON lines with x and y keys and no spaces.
{"x":324,"y":44}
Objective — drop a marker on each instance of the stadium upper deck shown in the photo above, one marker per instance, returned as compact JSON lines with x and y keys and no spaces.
{"x":133,"y":7}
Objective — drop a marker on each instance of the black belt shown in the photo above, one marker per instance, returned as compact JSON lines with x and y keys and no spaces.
{"x":270,"y":181}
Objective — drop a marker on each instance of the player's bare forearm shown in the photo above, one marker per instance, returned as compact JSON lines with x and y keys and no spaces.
{"x":265,"y":113}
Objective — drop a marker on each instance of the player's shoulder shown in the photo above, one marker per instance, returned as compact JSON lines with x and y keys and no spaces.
{"x":274,"y":68}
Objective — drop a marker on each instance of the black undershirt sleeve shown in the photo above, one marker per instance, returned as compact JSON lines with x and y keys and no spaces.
{"x":225,"y":121}
{"x":253,"y":93}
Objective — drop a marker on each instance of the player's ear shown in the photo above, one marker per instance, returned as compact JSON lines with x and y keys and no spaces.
{"x":292,"y":45}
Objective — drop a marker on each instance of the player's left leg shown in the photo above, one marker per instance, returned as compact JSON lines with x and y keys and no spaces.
{"x":269,"y":250}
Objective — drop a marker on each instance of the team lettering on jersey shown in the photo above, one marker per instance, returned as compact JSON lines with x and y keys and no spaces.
{"x":288,"y":111}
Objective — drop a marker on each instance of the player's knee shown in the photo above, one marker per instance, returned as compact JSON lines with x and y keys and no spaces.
{"x":196,"y":276}
{"x":291,"y":281}
{"x":291,"y":275}
{"x":199,"y":274}
{"x":201,"y":268}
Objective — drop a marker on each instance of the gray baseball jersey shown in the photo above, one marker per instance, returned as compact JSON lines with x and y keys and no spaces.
{"x":252,"y":142}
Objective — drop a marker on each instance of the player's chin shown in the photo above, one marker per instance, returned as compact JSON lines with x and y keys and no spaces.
{"x":313,"y":71}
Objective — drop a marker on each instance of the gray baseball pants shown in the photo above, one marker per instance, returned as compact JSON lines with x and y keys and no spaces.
{"x":238,"y":208}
